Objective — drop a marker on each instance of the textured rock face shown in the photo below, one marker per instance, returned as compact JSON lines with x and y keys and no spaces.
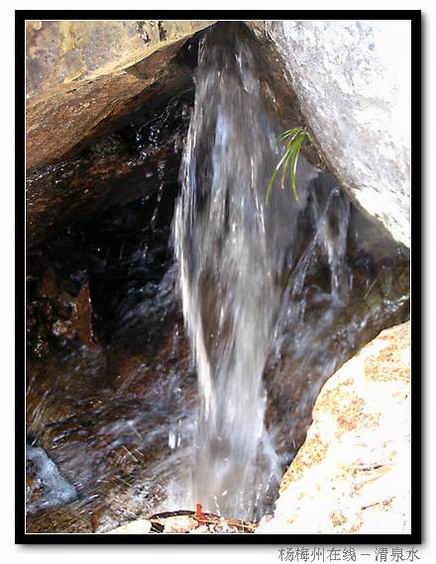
{"x":353,"y":82}
{"x":67,"y":51}
{"x":352,"y":474}
{"x":79,"y":73}
{"x":350,"y":80}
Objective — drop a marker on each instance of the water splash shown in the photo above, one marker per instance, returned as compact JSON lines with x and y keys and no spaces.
{"x":45,"y":486}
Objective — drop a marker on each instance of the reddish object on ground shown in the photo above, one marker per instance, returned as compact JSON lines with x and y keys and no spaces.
{"x":199,"y":515}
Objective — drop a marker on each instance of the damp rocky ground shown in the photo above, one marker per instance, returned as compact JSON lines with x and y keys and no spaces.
{"x":111,"y":388}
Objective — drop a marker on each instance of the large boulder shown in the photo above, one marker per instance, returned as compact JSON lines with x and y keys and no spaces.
{"x":353,"y":81}
{"x":352,"y":474}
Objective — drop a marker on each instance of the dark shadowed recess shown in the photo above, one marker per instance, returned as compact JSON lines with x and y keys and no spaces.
{"x":109,"y":377}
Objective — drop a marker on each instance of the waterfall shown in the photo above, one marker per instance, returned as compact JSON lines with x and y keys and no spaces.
{"x":230,"y":254}
{"x":128,"y":413}
{"x":242,"y":269}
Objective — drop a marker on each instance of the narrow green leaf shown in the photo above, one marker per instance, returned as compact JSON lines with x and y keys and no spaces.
{"x":273,"y":177}
{"x":286,"y":165}
{"x":296,"y":153}
{"x":290,"y":133}
{"x":294,"y":138}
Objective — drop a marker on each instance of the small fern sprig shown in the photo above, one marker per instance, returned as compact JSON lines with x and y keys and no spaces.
{"x":294,"y":139}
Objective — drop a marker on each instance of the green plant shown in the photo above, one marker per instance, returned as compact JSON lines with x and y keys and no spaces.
{"x":294,"y":139}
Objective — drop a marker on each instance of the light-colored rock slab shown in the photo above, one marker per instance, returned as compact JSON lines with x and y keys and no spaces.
{"x":352,"y":474}
{"x":353,"y":81}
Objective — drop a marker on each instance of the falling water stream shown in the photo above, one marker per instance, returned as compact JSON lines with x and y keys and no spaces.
{"x":275,"y":297}
{"x":233,"y":252}
{"x":230,"y":254}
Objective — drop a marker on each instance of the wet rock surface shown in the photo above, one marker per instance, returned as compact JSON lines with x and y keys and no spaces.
{"x":125,"y":164}
{"x":105,"y":351}
{"x":111,"y":391}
